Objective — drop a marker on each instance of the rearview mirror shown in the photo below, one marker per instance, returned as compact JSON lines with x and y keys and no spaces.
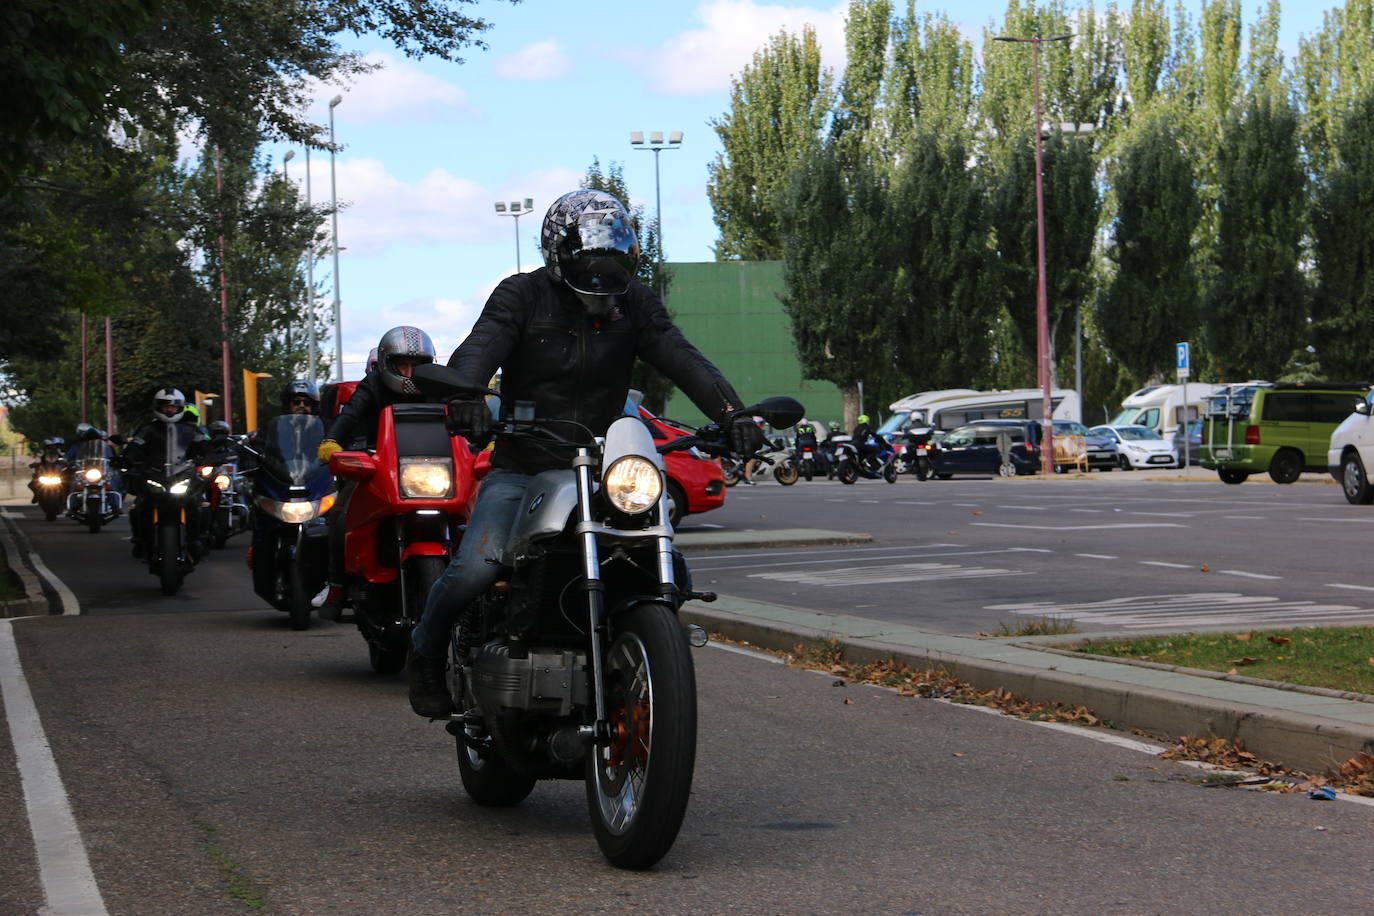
{"x":437,"y":381}
{"x":778,"y":412}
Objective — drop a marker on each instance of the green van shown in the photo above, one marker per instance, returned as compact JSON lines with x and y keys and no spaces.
{"x":1283,"y":428}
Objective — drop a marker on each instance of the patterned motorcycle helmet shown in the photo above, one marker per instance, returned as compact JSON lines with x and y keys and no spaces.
{"x":403,"y":343}
{"x":300,"y":387}
{"x":371,"y":361}
{"x":169,"y":397}
{"x":589,"y":243}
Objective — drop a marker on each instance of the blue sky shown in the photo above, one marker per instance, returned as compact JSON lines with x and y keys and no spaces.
{"x":429,"y":147}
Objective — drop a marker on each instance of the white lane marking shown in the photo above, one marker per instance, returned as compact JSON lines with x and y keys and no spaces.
{"x":1083,"y":527}
{"x":1096,"y":556}
{"x":1248,"y":575}
{"x":1027,"y":508}
{"x":63,"y":866}
{"x":811,"y":551}
{"x":1162,"y":563}
{"x":11,"y":513}
{"x":750,"y":653}
{"x":1164,"y":514}
{"x":1094,"y":511}
{"x":1359,"y":588}
{"x":1334,"y":521}
{"x":69,"y":602}
{"x":1244,"y":518}
{"x":701,"y":567}
{"x":1192,"y":609}
{"x":878,"y":575}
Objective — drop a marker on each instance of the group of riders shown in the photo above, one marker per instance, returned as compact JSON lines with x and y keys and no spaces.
{"x":564,"y":337}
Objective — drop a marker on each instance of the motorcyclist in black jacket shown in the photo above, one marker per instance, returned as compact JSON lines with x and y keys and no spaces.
{"x":565,"y":337}
{"x":147,"y":449}
{"x":400,"y":350}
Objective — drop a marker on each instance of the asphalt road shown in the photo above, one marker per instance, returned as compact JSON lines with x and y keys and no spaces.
{"x":213,"y":758}
{"x":1112,"y":552}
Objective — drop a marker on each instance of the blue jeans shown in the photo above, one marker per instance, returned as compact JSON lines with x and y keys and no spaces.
{"x":475,"y":566}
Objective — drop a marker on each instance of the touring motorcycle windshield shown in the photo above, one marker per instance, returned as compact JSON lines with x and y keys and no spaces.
{"x":292,"y":443}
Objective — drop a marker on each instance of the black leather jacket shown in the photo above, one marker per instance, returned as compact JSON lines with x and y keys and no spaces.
{"x":357,"y":419}
{"x":576,"y":367}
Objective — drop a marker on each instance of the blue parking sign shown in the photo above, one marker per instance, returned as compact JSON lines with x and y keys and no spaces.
{"x":1181,"y":359}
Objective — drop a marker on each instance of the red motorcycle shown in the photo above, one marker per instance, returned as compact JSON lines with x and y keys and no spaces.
{"x":414,"y":494}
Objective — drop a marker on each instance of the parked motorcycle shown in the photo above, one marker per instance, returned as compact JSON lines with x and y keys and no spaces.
{"x":170,"y":506}
{"x":414,"y":494}
{"x":94,"y":499}
{"x":850,"y":467}
{"x":575,"y":664}
{"x":292,"y":494}
{"x":49,"y":481}
{"x":913,"y":453}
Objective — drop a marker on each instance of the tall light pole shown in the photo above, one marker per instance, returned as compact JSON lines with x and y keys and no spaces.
{"x":223,"y":299}
{"x":1042,"y":327}
{"x":656,"y":146}
{"x":286,"y":177}
{"x":516,"y":210}
{"x":310,"y":341}
{"x":334,"y":205}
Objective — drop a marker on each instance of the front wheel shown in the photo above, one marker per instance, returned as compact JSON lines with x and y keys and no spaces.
{"x":786,"y":473}
{"x":890,"y":472}
{"x":733,"y":471}
{"x":169,"y":558}
{"x":639,"y":781}
{"x":94,"y":518}
{"x":847,"y":473}
{"x":1286,"y":466}
{"x":298,"y":596}
{"x":1354,"y":481}
{"x":1123,"y":462}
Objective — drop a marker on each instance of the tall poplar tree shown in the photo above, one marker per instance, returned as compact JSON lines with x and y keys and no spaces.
{"x":778,"y":107}
{"x":1151,"y":301}
{"x":1255,"y":313}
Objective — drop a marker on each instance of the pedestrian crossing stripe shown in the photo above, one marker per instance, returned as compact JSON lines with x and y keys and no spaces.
{"x":879,"y":575}
{"x":1191,"y":609}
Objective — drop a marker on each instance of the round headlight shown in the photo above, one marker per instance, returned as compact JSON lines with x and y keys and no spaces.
{"x":222,"y":481}
{"x":633,"y":485}
{"x":92,"y":474}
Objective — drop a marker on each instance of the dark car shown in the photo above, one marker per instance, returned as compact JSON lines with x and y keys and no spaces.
{"x":1101,"y":450}
{"x":1005,"y":447}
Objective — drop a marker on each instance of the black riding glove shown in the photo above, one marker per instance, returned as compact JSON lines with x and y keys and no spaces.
{"x":745,"y":437}
{"x":469,"y":417}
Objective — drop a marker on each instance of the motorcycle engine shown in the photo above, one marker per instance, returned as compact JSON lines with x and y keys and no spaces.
{"x":545,"y":681}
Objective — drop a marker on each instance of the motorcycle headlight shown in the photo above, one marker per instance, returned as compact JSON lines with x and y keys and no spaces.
{"x":92,"y":475}
{"x":426,"y":478}
{"x":205,"y":470}
{"x":180,"y":487}
{"x":222,"y":481}
{"x":49,"y":480}
{"x":633,"y":485}
{"x":297,"y":513}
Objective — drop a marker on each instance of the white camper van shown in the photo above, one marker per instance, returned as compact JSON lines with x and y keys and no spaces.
{"x":1162,"y":407}
{"x":951,"y":407}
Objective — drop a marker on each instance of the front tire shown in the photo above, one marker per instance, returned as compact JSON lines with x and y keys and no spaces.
{"x":169,"y":556}
{"x":94,"y":517}
{"x":786,"y":473}
{"x":1123,"y":462}
{"x":1354,"y":481}
{"x":847,"y":473}
{"x":1285,"y":466}
{"x":298,"y":596}
{"x":677,"y":504}
{"x":890,"y":472}
{"x":638,"y":784}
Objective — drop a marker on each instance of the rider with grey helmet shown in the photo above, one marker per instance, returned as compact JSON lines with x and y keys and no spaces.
{"x":565,"y":337}
{"x":399,"y":351}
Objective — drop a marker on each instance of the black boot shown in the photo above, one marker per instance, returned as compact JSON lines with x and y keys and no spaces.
{"x":428,"y":686}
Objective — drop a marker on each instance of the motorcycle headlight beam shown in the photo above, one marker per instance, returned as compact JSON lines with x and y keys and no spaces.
{"x":222,"y":481}
{"x":180,"y":487}
{"x":426,"y":478}
{"x":633,"y":485}
{"x":92,"y":475}
{"x":49,"y":480}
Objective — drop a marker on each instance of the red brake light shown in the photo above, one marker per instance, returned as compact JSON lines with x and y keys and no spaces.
{"x":1252,"y":435}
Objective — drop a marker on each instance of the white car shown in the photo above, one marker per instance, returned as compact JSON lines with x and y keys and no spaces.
{"x":1139,"y":447}
{"x":1351,"y":452}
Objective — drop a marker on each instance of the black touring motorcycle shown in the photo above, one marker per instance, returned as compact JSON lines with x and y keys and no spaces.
{"x":575,"y":664}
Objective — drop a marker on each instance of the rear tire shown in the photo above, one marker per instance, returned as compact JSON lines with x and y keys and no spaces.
{"x":1354,"y":481}
{"x":638,"y":785}
{"x":808,"y":469}
{"x":1229,"y":475}
{"x":489,"y":780}
{"x":786,"y":473}
{"x":847,"y":473}
{"x":169,"y":554}
{"x":1286,"y":466}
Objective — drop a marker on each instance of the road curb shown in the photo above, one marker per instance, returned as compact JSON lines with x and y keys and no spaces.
{"x":17,"y":550}
{"x":1309,"y":742}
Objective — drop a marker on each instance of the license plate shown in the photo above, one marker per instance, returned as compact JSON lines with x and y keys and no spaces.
{"x":1223,"y":453}
{"x":921,"y":450}
{"x":1160,"y":459}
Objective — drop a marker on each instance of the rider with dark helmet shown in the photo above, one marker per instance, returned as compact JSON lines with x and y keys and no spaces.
{"x":300,"y":396}
{"x":565,"y":337}
{"x":400,"y":350}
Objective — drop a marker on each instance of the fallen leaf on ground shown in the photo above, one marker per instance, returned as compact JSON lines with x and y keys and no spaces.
{"x":1247,"y":660}
{"x":1244,"y":637}
{"x":1206,"y":568}
{"x":958,"y":755}
{"x":977,"y":511}
{"x":848,"y":701}
{"x":1279,"y":640}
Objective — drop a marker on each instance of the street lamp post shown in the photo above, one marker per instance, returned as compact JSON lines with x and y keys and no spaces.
{"x":656,"y":146}
{"x":1042,"y":328}
{"x":334,"y":206}
{"x":516,"y":210}
{"x":310,"y":341}
{"x":286,"y":177}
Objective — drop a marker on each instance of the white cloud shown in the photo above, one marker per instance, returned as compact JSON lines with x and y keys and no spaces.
{"x":397,"y":91}
{"x":539,"y":61}
{"x":379,"y":210}
{"x":703,"y":60}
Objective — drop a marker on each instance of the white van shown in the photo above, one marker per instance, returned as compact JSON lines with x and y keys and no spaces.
{"x":1351,"y":453}
{"x":1163,"y":407}
{"x":951,"y":407}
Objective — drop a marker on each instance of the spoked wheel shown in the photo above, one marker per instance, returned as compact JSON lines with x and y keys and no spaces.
{"x":1354,"y":481}
{"x":847,"y":473}
{"x":169,"y":558}
{"x":1006,"y":469}
{"x":786,"y":473}
{"x":638,"y":783}
{"x":488,"y":779}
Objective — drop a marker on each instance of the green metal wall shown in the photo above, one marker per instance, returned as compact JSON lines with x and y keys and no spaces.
{"x":732,"y":312}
